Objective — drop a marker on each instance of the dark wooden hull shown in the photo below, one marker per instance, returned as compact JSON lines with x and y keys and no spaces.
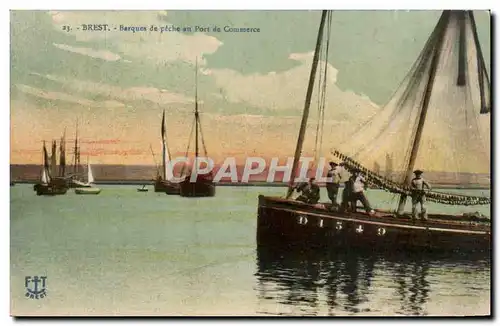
{"x":201,"y":188}
{"x":170,"y":188}
{"x":56,"y":186}
{"x":49,"y":190}
{"x":282,"y":221}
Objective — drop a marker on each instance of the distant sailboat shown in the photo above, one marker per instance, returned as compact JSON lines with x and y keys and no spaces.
{"x":88,"y":189}
{"x":48,"y":185}
{"x":204,"y":185}
{"x":163,"y":182}
{"x":90,"y":179}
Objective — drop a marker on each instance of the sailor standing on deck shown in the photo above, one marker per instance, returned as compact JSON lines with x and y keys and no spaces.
{"x":333,"y":183}
{"x":418,"y":195}
{"x":358,"y":192}
{"x":345,"y":177}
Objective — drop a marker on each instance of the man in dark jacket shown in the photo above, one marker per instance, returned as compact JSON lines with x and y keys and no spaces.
{"x":333,"y":183}
{"x":347,"y":192}
{"x":310,"y":192}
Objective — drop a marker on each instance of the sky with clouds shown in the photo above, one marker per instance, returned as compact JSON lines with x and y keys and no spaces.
{"x":251,"y":86}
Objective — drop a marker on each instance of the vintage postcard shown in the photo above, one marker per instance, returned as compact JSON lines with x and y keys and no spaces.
{"x":250,"y":163}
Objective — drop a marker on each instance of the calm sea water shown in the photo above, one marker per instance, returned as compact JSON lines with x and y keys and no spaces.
{"x":128,"y":253}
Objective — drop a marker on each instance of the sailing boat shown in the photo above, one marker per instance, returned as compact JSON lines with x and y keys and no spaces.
{"x":90,"y":178}
{"x":49,"y":185}
{"x":89,"y":189}
{"x":287,"y":221}
{"x":204,"y":185}
{"x":163,"y":182}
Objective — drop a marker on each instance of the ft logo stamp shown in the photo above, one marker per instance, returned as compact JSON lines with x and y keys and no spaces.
{"x":35,"y":287}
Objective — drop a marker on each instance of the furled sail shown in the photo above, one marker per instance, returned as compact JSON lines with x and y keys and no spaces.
{"x":62,"y":157}
{"x":437,"y":119}
{"x":53,"y":159}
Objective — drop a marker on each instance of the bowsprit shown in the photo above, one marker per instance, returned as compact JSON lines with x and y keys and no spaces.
{"x":36,"y":287}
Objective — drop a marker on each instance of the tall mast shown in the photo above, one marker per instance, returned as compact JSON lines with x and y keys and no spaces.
{"x":196,"y":116}
{"x":481,"y":68}
{"x":53,"y":158}
{"x":443,"y":23}
{"x":163,"y":130}
{"x":307,"y":104}
{"x":62,"y":155}
{"x":75,"y":162}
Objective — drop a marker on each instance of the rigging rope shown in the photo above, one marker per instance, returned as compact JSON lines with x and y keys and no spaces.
{"x":322,"y":85}
{"x":202,"y":138}
{"x":319,"y":111}
{"x":187,"y":150}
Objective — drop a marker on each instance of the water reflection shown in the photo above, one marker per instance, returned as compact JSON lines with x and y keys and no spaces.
{"x":413,"y":288}
{"x":319,"y":283}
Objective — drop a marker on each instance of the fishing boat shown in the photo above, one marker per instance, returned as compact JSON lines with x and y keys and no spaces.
{"x":286,"y":221}
{"x":203,"y":185}
{"x":49,"y":185}
{"x":91,"y":189}
{"x":143,"y":189}
{"x":163,"y":181}
{"x":87,"y":191}
{"x":90,"y":179}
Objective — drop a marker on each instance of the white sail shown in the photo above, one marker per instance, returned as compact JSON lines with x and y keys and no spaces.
{"x":45,"y":177}
{"x":167,"y":172}
{"x":89,"y":174}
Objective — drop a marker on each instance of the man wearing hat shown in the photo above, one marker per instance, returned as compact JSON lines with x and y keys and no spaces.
{"x":333,"y":182}
{"x":418,"y":194}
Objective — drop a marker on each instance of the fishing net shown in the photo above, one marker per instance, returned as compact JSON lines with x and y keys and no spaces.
{"x":437,"y":120}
